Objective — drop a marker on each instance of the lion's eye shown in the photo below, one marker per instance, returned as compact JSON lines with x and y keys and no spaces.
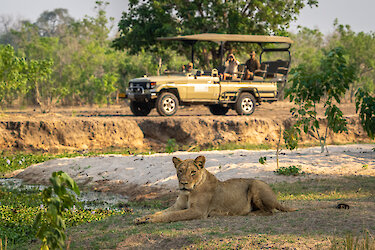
{"x":193,"y":172}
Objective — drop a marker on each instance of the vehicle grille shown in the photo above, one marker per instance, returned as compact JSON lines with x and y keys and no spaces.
{"x":140,"y":84}
{"x":138,"y":87}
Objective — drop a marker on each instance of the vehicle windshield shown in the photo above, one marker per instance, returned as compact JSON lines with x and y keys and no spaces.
{"x":271,"y":56}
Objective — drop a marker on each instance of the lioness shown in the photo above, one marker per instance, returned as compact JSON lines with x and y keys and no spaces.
{"x":201,"y":195}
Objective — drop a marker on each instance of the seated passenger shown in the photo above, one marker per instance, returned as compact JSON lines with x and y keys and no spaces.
{"x":188,"y":67}
{"x":251,"y":66}
{"x":231,"y":66}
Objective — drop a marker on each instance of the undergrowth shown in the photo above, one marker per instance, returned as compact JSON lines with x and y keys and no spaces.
{"x":291,"y":170}
{"x":19,"y":207}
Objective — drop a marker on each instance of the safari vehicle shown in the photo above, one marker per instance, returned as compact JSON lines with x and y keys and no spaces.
{"x":167,"y":92}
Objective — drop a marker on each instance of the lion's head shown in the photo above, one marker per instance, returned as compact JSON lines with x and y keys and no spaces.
{"x":189,"y":172}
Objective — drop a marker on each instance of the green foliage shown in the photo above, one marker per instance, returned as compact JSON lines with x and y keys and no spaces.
{"x":171,"y":146}
{"x":291,"y":137}
{"x":147,"y":20}
{"x":84,"y":69}
{"x":19,"y":207}
{"x":309,"y":85}
{"x":39,"y":72}
{"x":9,"y":163}
{"x":365,"y":105}
{"x":50,"y":224}
{"x":361,"y":48}
{"x":307,"y":47}
{"x":262,"y":160}
{"x":12,"y":75}
{"x":291,"y":170}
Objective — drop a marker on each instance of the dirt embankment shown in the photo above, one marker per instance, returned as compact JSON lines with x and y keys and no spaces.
{"x":58,"y":134}
{"x":67,"y":134}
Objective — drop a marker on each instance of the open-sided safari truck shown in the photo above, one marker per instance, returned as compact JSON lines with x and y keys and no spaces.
{"x":167,"y":92}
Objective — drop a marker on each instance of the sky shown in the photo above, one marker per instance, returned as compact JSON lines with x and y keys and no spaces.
{"x":358,"y":14}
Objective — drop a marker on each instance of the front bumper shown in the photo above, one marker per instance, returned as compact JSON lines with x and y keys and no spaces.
{"x":145,"y":95}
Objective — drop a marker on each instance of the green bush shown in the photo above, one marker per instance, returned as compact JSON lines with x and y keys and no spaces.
{"x":291,"y":170}
{"x":19,"y":207}
{"x":171,"y":146}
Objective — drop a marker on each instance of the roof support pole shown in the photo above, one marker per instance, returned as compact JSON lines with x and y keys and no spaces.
{"x":192,"y":53}
{"x":221,"y":53}
{"x":192,"y":43}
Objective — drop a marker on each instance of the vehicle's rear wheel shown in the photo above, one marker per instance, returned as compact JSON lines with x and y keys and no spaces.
{"x":140,"y":108}
{"x":167,"y":104}
{"x":245,"y":104}
{"x":218,"y":109}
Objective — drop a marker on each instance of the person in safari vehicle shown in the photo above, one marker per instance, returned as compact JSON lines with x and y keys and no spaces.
{"x":231,"y":66}
{"x":251,"y":66}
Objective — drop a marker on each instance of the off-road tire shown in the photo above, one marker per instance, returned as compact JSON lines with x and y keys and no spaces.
{"x":217,"y":109}
{"x":140,"y":108}
{"x":167,"y":104}
{"x":245,"y":104}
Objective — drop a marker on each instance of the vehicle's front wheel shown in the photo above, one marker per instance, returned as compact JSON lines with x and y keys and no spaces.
{"x":218,"y":109}
{"x":140,"y":108}
{"x":167,"y":104}
{"x":245,"y":104}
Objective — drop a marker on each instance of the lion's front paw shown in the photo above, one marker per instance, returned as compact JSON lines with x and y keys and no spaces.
{"x":142,"y":220}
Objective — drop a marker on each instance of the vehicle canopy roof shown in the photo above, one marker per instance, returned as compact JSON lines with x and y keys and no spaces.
{"x":213,"y":37}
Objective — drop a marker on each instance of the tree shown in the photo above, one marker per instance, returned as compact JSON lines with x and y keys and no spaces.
{"x":13,"y":78}
{"x":307,"y":47}
{"x":147,"y":20}
{"x":85,"y":69}
{"x":54,"y":23}
{"x":327,"y":82}
{"x":361,"y":49}
{"x":45,"y":92}
{"x":365,"y":104}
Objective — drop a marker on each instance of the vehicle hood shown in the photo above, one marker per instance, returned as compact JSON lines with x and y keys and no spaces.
{"x":160,"y":79}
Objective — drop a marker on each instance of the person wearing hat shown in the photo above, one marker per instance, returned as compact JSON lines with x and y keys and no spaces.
{"x":231,"y":66}
{"x":251,"y":66}
{"x":188,"y":67}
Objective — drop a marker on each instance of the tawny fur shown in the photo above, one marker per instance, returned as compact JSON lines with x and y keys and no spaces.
{"x":202,"y":195}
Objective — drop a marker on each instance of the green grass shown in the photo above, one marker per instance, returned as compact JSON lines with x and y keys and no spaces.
{"x":316,"y":224}
{"x":315,"y":200}
{"x":356,"y":187}
{"x":18,"y":208}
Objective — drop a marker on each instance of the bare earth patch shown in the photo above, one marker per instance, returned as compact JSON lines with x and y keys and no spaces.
{"x":140,"y":176}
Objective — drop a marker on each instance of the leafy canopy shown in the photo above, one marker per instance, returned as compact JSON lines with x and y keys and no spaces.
{"x":147,"y":20}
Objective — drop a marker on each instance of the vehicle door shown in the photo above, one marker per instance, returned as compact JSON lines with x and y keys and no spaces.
{"x":203,"y":87}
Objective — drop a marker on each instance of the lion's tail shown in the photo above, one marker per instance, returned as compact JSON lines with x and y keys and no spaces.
{"x":284,"y":208}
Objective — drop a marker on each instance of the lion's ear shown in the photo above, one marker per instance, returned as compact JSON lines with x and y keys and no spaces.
{"x":176,"y":161}
{"x":200,"y":161}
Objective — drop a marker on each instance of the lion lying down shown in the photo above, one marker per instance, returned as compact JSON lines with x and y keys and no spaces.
{"x":202,"y":195}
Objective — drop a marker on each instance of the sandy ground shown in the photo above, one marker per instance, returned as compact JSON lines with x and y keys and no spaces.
{"x":157,"y":170}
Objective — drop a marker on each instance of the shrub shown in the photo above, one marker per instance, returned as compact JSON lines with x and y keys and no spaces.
{"x":291,"y":170}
